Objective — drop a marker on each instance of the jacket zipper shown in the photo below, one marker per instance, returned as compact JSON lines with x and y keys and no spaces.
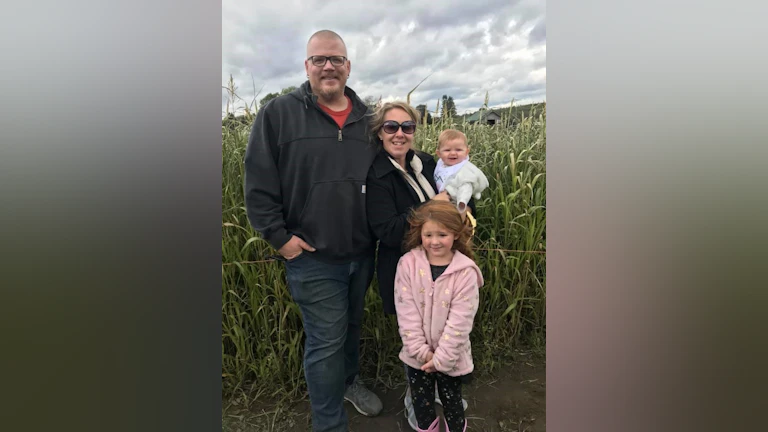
{"x":326,"y":114}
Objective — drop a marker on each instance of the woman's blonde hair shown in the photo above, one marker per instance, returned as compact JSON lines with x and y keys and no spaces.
{"x":377,"y":121}
{"x":445,"y":214}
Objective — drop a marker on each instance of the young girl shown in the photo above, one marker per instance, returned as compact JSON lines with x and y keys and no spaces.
{"x":436,"y":296}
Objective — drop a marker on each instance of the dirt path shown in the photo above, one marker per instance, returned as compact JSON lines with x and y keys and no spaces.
{"x":512,"y":399}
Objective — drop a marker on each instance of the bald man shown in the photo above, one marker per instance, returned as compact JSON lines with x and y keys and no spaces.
{"x":305,"y":168}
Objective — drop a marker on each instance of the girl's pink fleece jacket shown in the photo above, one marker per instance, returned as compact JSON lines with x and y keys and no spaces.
{"x":437,"y":316}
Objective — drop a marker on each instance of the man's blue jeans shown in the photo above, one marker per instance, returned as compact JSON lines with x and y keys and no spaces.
{"x":331,"y":299}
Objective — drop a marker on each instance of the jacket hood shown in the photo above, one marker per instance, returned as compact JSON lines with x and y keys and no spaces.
{"x":459,"y":263}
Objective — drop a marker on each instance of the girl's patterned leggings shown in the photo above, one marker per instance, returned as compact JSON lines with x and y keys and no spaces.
{"x":423,"y":393}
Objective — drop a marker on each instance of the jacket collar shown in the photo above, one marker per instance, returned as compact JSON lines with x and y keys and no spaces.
{"x":382,"y":166}
{"x":460,"y":262}
{"x":304,"y":93}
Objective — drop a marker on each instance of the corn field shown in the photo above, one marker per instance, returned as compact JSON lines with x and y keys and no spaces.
{"x":262,"y":336}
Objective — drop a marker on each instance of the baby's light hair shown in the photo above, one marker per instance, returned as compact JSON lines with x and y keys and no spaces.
{"x":450,"y":135}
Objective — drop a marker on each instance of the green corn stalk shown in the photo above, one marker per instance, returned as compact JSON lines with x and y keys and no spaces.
{"x":262,"y":335}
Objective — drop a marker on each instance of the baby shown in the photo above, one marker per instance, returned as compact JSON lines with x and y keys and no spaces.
{"x":455,"y":173}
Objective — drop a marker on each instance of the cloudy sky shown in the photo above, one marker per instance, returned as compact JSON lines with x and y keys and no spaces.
{"x":469,"y":48}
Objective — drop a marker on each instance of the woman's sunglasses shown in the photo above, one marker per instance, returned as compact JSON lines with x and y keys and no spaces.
{"x":391,"y":126}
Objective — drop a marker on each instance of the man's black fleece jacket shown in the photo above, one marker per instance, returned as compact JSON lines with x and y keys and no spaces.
{"x":305,"y":176}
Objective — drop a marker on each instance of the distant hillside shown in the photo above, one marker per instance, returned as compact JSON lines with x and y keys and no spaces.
{"x":516,"y":113}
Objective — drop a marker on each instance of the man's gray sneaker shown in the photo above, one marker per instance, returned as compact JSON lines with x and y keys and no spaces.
{"x":364,"y":400}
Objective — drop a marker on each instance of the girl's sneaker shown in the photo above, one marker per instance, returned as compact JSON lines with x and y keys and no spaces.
{"x":434,"y":427}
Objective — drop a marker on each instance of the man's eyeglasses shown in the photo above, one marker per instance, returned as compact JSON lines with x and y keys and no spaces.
{"x":320,"y":61}
{"x":391,"y":126}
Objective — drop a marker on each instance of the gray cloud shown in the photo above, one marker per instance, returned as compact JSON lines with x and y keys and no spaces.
{"x":469,"y":47}
{"x":538,"y":35}
{"x":473,"y":39}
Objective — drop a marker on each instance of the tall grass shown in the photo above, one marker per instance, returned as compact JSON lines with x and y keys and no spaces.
{"x":262,"y":338}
